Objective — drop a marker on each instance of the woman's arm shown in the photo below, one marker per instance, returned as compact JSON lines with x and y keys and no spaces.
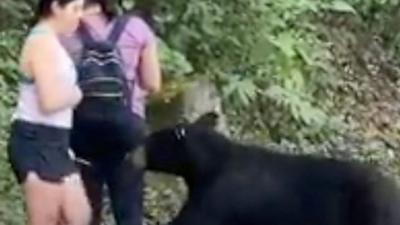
{"x":149,"y":67}
{"x":54,"y":94}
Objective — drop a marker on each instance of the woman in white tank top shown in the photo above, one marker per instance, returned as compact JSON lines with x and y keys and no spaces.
{"x":38,"y":147}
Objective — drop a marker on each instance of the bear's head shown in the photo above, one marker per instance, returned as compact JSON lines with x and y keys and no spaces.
{"x":186,"y":148}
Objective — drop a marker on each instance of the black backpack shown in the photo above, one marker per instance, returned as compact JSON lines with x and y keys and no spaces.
{"x":102,"y":120}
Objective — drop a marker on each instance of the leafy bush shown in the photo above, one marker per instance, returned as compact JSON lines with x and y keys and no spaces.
{"x":267,"y":58}
{"x":271,"y":61}
{"x":11,"y":210}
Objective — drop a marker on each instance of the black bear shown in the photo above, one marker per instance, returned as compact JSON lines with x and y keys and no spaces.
{"x":235,"y":184}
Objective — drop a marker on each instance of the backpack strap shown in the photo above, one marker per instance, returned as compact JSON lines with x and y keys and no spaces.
{"x":118,"y":28}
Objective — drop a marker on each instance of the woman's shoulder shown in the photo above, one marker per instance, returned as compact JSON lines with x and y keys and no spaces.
{"x":136,"y":22}
{"x":38,"y":46}
{"x":138,"y":27}
{"x":41,"y":39}
{"x":135,"y":19}
{"x":40,"y":43}
{"x":40,"y":34}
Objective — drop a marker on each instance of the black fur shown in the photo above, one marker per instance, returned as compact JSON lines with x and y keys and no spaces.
{"x":234,"y":184}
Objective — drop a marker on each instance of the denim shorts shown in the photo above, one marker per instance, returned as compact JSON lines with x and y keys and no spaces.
{"x":41,"y":149}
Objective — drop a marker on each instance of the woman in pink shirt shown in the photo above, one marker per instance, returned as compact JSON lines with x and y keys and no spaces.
{"x":137,"y":45}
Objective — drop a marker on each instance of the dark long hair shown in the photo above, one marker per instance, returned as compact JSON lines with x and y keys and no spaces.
{"x":108,"y":7}
{"x":43,"y":9}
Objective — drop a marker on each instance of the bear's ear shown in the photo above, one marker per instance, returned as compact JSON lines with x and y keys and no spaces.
{"x":209,"y":120}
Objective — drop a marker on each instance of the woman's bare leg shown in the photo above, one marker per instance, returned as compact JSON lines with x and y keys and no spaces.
{"x":75,"y":205}
{"x":43,"y":200}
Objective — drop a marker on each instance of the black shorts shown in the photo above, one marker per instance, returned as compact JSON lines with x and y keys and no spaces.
{"x":41,"y":149}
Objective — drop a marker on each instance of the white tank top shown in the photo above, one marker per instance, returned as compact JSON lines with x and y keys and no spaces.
{"x":28,"y":108}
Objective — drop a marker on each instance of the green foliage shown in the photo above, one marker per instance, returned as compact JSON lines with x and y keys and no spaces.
{"x":11,"y":33}
{"x":381,"y":17}
{"x":10,"y":41}
{"x":270,"y":60}
{"x":11,"y":210}
{"x":340,"y":6}
{"x":174,"y":64}
{"x":258,"y":49}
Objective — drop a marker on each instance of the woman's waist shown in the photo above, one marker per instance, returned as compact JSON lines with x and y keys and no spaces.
{"x":28,"y":109}
{"x":37,"y":131}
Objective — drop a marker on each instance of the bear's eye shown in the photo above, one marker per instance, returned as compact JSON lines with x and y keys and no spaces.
{"x":180,"y":133}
